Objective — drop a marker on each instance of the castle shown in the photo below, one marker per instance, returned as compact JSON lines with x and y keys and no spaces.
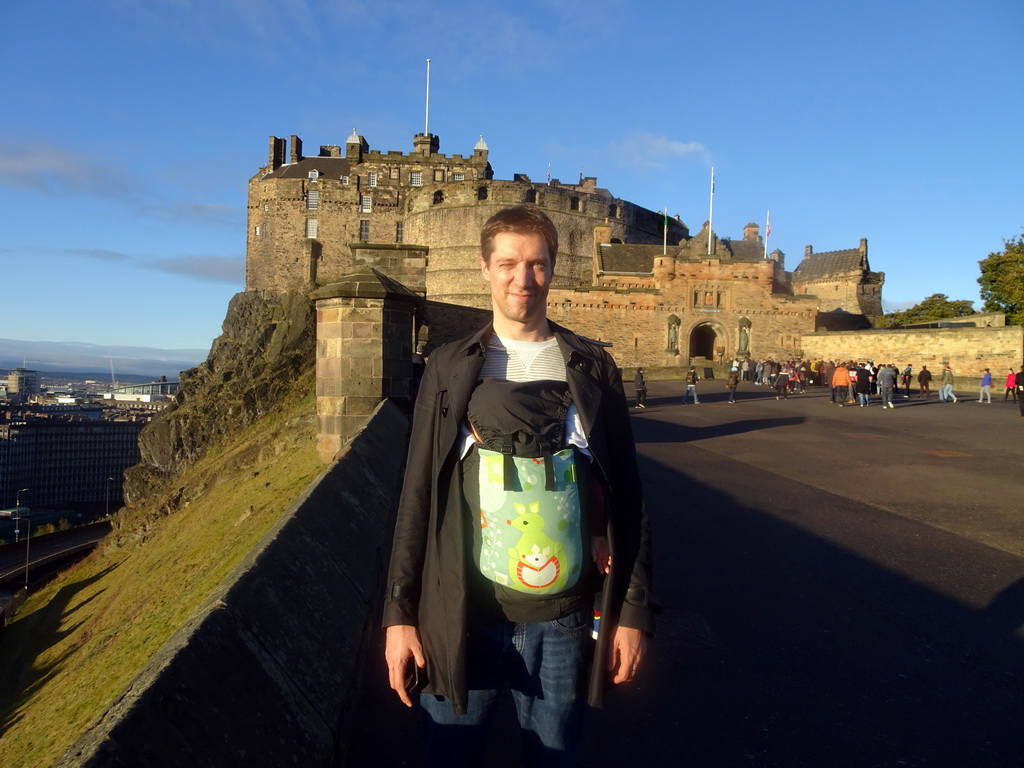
{"x":626,"y":275}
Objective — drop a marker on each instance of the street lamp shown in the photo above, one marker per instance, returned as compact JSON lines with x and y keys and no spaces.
{"x":28,"y":531}
{"x":17,"y":511}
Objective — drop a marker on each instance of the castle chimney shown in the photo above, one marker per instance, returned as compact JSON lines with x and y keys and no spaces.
{"x":808,"y":251}
{"x":296,"y":149}
{"x":277,"y":149}
{"x":752,"y":232}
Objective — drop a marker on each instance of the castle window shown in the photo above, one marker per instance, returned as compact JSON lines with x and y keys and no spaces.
{"x":364,"y":230}
{"x":256,"y":231}
{"x":313,"y":199}
{"x":481,"y":193}
{"x":458,"y":177}
{"x":365,"y":204}
{"x":344,"y":180}
{"x":312,"y":227}
{"x":438,"y":197}
{"x":416,"y":178}
{"x":574,"y":204}
{"x":531,"y":196}
{"x":613,"y":211}
{"x":399,"y":231}
{"x":314,"y":175}
{"x":373,"y":178}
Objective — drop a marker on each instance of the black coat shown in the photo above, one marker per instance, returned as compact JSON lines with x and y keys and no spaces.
{"x":426,"y":585}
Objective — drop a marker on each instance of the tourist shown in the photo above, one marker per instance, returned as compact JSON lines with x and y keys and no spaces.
{"x":946,"y":384}
{"x":924,"y":382}
{"x":887,"y":385}
{"x":459,"y":623}
{"x":640,"y":387}
{"x":691,"y":386}
{"x":1011,"y":386}
{"x":986,"y":387}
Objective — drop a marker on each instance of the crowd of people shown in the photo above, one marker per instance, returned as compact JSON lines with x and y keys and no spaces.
{"x":850,"y":383}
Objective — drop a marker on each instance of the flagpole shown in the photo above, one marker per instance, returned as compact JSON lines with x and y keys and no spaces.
{"x":767,"y":233}
{"x":665,"y":230}
{"x":711,"y":209}
{"x":426,"y":120}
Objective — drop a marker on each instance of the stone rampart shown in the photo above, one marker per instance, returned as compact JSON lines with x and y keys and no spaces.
{"x":966,"y":350}
{"x":267,"y":671}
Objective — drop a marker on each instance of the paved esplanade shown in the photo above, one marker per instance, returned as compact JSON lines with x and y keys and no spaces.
{"x":843,"y":587}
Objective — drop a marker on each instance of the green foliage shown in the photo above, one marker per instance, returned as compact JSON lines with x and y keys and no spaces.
{"x":1002,"y":281}
{"x":936,"y":307}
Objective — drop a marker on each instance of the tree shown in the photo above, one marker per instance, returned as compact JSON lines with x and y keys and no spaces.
{"x":1002,"y":281}
{"x":936,"y":307}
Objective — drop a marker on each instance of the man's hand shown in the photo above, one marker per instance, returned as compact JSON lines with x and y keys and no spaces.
{"x":625,"y":654}
{"x":403,"y":644}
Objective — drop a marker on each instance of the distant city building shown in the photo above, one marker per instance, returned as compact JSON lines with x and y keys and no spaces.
{"x":151,"y":392}
{"x":22,"y":384}
{"x":66,"y":463}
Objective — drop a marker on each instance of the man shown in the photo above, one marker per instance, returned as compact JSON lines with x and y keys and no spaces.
{"x":1019,"y":379}
{"x":731,"y":381}
{"x":985,"y":393}
{"x":471,"y":603}
{"x":691,"y":386}
{"x":924,"y":382}
{"x":640,"y":387}
{"x":946,"y":384}
{"x":840,"y":384}
{"x":887,"y":384}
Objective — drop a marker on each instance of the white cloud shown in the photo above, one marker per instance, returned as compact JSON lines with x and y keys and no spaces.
{"x":646,"y":151}
{"x":210,"y":269}
{"x":41,"y":167}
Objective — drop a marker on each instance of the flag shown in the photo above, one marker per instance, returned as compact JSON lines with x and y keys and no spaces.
{"x":712,"y":181}
{"x":768,"y":227}
{"x":549,"y":173}
{"x":665,"y":214}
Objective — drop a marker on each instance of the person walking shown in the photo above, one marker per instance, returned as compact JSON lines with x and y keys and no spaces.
{"x":640,"y":387}
{"x":731,"y":381}
{"x":1019,"y":384}
{"x":863,"y":385}
{"x":924,"y":382}
{"x":946,"y":384}
{"x":840,"y":384}
{"x":887,"y":384}
{"x":906,"y":377}
{"x":986,"y":387}
{"x":1011,"y":386}
{"x":691,"y":386}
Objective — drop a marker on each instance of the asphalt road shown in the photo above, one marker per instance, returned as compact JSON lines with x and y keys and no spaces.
{"x":842,"y":587}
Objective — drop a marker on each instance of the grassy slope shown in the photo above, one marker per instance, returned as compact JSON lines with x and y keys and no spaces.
{"x":79,"y":642}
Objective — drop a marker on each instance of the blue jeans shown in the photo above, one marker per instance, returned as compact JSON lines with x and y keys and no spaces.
{"x":946,"y":393}
{"x":545,"y":665}
{"x":863,"y":398}
{"x":691,"y":389}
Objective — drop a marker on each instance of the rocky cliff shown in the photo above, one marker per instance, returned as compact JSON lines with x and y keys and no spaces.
{"x":265,"y":355}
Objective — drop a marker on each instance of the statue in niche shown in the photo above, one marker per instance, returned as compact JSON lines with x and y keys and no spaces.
{"x":673,"y":337}
{"x":744,"y":341}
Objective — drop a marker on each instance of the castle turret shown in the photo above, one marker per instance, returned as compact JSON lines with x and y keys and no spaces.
{"x":355,"y":146}
{"x":426,"y":144}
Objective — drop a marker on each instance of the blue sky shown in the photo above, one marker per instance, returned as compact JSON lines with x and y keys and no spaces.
{"x":131,"y":127}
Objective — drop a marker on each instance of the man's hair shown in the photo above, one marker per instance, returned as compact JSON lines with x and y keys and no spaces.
{"x":519,"y":220}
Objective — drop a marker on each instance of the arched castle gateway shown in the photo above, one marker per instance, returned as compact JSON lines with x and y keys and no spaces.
{"x":417,"y":217}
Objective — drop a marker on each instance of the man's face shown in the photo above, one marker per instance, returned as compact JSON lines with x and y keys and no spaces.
{"x":519,"y":272}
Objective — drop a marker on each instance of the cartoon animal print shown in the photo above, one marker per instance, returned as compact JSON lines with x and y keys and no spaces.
{"x":534,"y":561}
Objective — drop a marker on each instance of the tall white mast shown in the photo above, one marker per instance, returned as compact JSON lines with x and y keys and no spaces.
{"x":711,"y":209}
{"x":426,"y":122}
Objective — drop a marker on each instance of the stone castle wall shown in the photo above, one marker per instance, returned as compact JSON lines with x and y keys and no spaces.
{"x":966,"y":350}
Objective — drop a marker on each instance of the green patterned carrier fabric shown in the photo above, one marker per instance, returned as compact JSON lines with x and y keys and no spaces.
{"x":531,"y":531}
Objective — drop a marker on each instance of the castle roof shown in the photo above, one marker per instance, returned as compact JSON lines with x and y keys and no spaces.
{"x":820,"y":265}
{"x":631,"y":259}
{"x":331,"y":167}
